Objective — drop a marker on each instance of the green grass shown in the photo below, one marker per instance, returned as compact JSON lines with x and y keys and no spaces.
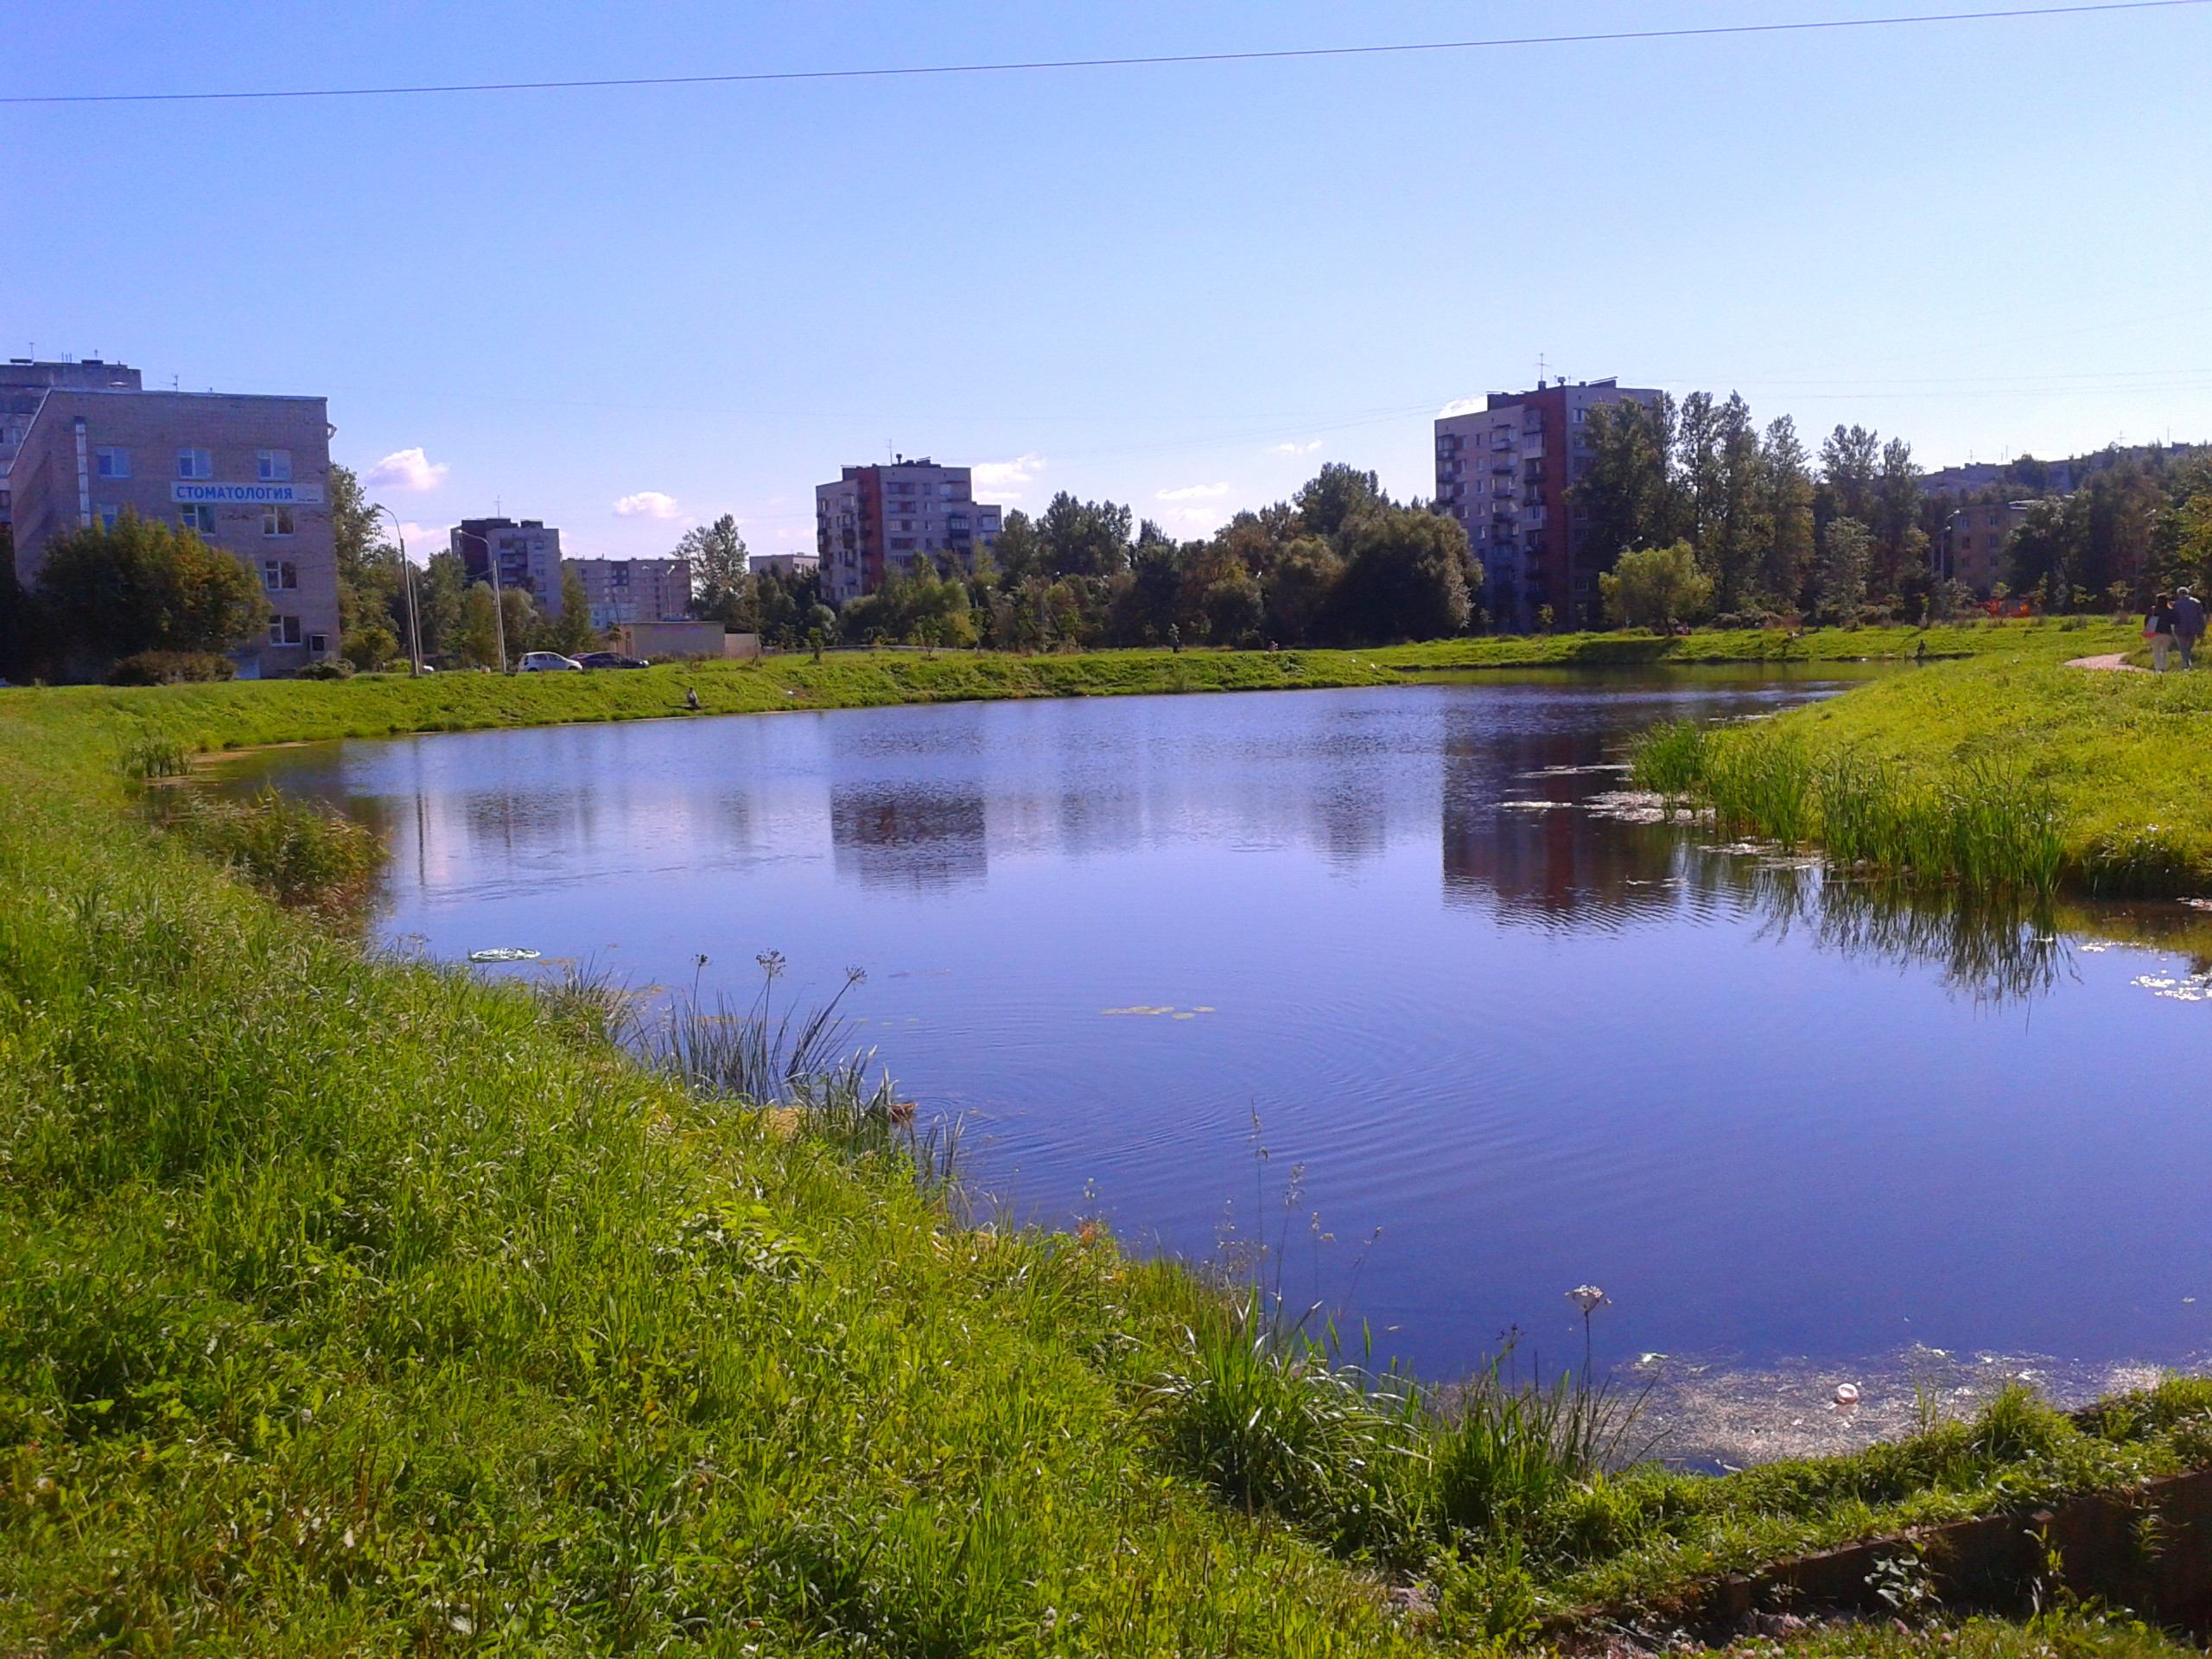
{"x":2092,"y":636}
{"x":2010,"y":767}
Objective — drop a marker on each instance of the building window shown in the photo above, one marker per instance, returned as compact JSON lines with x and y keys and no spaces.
{"x":276,"y":521}
{"x":284,"y":630}
{"x":279,"y":574}
{"x":112,"y":462}
{"x":195,"y":463}
{"x":198,"y":518}
{"x":107,"y":515}
{"x":275,"y":466}
{"x":318,"y":643}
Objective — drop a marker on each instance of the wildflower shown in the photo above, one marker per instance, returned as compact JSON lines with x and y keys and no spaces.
{"x":1589,"y":1299}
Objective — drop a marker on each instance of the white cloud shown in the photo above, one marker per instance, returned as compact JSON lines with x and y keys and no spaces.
{"x":422,"y":540}
{"x":405,"y":469}
{"x":1462,"y":406}
{"x":647,"y":503}
{"x":1298,"y":448}
{"x":1001,"y":481}
{"x":1192,"y":492}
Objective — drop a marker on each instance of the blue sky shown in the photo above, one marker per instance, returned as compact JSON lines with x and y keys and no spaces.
{"x":1181,"y":286}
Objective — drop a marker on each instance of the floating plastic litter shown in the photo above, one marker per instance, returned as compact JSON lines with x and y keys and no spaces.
{"x":503,"y":953}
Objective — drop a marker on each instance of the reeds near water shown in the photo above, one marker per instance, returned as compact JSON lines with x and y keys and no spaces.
{"x":1979,"y":827}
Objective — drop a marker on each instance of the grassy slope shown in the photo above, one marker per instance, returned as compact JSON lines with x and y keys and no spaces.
{"x":2125,"y":753}
{"x":344,"y":1307}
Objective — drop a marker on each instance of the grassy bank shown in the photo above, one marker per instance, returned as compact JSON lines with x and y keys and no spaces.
{"x":214,"y":717}
{"x":2008,"y":767}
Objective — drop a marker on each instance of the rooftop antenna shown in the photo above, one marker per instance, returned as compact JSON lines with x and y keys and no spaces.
{"x":1542,"y":371}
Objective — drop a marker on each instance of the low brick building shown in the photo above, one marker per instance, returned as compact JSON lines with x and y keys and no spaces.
{"x":81,"y":442}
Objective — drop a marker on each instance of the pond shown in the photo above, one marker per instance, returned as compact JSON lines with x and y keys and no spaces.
{"x":1386,"y":979}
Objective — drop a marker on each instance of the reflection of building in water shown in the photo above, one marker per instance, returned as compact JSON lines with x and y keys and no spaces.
{"x":918,"y":836}
{"x":1551,"y":860}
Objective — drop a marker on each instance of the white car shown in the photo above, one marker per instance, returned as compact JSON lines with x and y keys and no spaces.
{"x":547,"y":662}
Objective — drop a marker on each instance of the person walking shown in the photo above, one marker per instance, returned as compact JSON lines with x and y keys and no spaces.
{"x":2158,"y":629}
{"x":2189,"y":625}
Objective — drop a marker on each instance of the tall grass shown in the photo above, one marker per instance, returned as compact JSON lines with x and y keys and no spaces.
{"x":1978,"y":825}
{"x":303,"y":855}
{"x":157,"y":754}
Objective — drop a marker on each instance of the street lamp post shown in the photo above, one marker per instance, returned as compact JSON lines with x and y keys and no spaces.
{"x":407,"y":580}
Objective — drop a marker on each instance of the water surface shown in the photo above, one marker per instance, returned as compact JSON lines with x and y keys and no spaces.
{"x":1497,"y":1042}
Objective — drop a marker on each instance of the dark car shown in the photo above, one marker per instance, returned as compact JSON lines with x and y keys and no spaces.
{"x":611,"y":659}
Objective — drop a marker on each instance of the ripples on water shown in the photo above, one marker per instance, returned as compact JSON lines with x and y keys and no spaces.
{"x":1792,"y":1121}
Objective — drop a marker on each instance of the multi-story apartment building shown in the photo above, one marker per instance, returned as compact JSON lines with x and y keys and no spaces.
{"x":874,"y":521}
{"x":1504,"y":474}
{"x":82,"y":443}
{"x":783,"y":564}
{"x":1971,"y":548}
{"x":529,"y":555}
{"x":621,"y":591}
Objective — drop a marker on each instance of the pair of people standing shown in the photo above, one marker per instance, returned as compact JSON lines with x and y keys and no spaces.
{"x":2175,"y":621}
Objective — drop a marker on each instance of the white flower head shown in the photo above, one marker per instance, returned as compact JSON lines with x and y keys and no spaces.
{"x":1588,"y":1297}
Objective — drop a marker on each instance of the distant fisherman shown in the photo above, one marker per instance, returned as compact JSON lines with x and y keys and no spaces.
{"x":2189,"y":625}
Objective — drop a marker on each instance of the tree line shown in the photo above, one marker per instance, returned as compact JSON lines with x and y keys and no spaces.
{"x":1770,"y":529}
{"x":1340,"y":563}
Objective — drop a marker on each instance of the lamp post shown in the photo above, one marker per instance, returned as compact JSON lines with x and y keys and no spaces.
{"x":407,"y":580}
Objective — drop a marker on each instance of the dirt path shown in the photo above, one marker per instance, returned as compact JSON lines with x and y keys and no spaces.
{"x":2115,"y":662}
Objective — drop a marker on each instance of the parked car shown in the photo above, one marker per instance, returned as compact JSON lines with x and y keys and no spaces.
{"x":611,"y":659}
{"x":548,"y":662}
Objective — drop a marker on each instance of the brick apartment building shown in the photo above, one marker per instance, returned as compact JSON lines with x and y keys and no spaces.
{"x":877,"y":520}
{"x":622,"y":591}
{"x":82,"y":441}
{"x":1972,"y":548}
{"x":1504,"y":472}
{"x":529,"y":555}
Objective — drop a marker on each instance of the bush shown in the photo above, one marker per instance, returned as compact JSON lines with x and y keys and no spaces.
{"x":172,"y":668}
{"x":330,"y":668}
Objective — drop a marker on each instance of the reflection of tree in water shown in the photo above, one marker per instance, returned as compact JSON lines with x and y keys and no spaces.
{"x":922,"y":837}
{"x":1521,"y":837}
{"x":1995,"y":948}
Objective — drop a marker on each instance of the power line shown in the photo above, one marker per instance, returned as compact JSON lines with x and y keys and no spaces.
{"x":916,"y":70}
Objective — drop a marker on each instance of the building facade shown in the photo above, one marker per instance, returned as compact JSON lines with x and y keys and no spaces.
{"x":621,"y":591}
{"x":1504,"y":472}
{"x":783,"y":564}
{"x":1973,"y":546}
{"x":528,"y":554}
{"x":877,"y":521}
{"x":83,"y":442}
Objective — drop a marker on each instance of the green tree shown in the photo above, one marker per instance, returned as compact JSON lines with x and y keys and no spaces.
{"x":475,"y":638}
{"x":1337,"y":495}
{"x":1786,"y":479}
{"x":1405,"y":577}
{"x":1628,"y":493}
{"x":369,"y":593}
{"x":722,"y":575}
{"x":440,"y":597}
{"x":1846,"y":552}
{"x":571,"y":633}
{"x":144,"y":586}
{"x":1083,"y":538}
{"x":1302,"y":595}
{"x":1656,"y":588}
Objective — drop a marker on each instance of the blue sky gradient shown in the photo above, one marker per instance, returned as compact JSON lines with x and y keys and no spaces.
{"x":1180,"y":287}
